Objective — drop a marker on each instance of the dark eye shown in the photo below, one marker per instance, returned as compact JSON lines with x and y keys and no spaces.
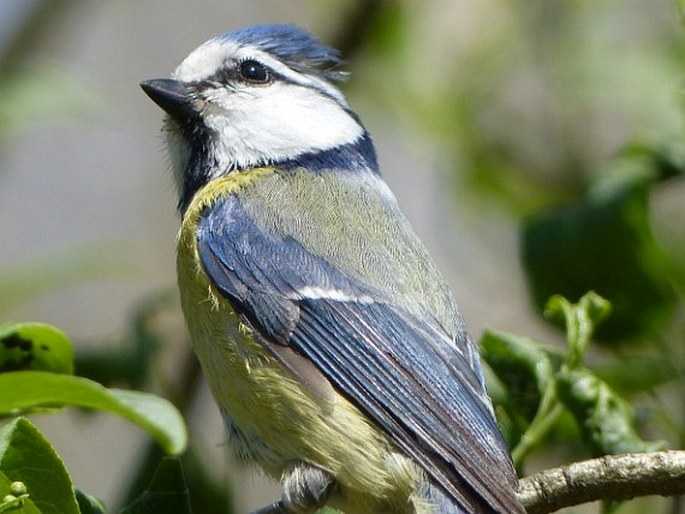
{"x":253,"y":71}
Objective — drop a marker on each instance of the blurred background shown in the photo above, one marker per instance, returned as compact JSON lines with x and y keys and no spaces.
{"x":537,"y":147}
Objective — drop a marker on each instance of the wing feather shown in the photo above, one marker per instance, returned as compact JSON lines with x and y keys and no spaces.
{"x":443,"y":429}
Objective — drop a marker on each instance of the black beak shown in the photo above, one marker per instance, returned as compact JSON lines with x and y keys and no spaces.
{"x":174,"y":96}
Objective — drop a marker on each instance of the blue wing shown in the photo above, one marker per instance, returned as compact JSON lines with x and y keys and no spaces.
{"x":396,"y":367}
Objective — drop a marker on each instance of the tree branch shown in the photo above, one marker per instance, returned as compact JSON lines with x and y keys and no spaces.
{"x":613,"y":477}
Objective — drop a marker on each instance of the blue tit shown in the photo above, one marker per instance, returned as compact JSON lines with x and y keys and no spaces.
{"x":332,"y":345}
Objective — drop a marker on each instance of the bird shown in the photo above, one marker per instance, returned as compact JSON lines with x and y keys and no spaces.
{"x":332,"y":345}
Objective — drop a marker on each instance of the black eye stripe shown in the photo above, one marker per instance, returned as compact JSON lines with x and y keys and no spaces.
{"x":232,"y":72}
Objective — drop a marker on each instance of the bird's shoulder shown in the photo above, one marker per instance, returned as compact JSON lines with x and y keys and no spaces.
{"x":347,"y":219}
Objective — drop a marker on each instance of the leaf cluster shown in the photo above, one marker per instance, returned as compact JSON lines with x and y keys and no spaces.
{"x":36,"y":362}
{"x":541,"y":383}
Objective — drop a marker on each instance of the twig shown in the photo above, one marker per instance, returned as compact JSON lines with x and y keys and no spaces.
{"x":613,"y":477}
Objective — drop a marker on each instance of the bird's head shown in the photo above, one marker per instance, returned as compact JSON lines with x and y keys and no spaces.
{"x":258,"y":96}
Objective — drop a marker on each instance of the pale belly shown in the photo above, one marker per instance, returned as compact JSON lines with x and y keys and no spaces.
{"x":272,"y":420}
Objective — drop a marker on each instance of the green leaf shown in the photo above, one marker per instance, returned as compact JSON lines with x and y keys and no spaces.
{"x":35,"y":346}
{"x":604,"y":418}
{"x":167,"y":492}
{"x":89,"y":505}
{"x":24,"y":390}
{"x":580,"y":320}
{"x":27,"y":456}
{"x":522,"y":366}
{"x":603,"y":242}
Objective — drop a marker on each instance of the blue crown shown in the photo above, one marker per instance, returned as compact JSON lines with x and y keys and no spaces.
{"x":293,"y":46}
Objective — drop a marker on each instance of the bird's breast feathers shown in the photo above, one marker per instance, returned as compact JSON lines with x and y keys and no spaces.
{"x":271,"y":418}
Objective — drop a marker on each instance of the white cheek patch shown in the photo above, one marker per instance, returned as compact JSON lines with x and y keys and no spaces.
{"x":275,"y":122}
